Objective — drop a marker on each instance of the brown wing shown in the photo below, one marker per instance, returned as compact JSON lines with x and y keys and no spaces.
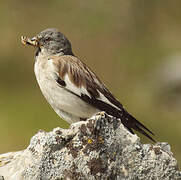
{"x":90,"y":89}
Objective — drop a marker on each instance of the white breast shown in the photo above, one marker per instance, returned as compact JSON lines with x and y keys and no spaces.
{"x":67,"y":105}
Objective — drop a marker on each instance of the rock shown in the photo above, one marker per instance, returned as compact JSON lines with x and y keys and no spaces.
{"x":99,"y":148}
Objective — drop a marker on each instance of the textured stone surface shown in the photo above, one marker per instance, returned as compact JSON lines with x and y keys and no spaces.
{"x":100,"y":148}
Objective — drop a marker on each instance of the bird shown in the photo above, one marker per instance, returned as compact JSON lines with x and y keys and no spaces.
{"x":71,"y":88}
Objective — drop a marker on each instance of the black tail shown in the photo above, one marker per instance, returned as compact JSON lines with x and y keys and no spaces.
{"x":131,"y":123}
{"x":128,"y":121}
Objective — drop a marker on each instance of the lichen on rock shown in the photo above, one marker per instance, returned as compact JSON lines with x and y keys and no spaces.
{"x":99,"y":148}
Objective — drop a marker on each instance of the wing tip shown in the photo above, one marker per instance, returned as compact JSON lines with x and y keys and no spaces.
{"x":137,"y":126}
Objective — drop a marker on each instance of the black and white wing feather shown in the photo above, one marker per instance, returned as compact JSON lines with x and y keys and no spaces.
{"x":79,"y":80}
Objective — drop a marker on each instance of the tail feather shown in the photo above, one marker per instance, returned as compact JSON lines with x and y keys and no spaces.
{"x":128,"y":120}
{"x":131,"y":123}
{"x":137,"y":128}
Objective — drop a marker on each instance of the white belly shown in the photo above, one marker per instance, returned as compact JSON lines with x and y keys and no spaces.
{"x":67,"y":105}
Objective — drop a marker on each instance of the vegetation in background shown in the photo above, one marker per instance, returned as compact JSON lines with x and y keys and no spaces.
{"x":124,"y":42}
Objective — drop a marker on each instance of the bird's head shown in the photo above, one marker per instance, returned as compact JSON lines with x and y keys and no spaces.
{"x":50,"y":41}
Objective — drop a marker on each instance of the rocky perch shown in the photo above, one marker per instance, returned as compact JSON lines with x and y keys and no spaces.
{"x":99,"y":148}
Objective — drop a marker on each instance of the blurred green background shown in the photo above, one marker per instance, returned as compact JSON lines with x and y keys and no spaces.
{"x":133,"y":46}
